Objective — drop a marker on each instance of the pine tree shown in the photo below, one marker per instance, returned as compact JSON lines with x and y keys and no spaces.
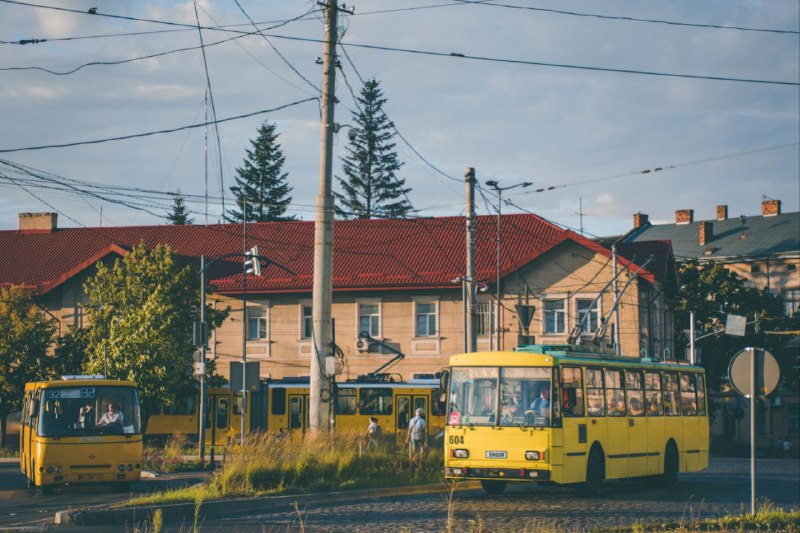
{"x":179,"y":214}
{"x":371,"y":187}
{"x":262,"y":181}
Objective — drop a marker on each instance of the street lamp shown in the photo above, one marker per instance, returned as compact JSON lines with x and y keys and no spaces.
{"x":240,"y":192}
{"x":496,"y":186}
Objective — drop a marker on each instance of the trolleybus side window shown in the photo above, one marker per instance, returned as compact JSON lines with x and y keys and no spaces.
{"x":375,"y":401}
{"x":701,"y":395}
{"x":652,"y":394}
{"x":572,"y":392}
{"x":181,"y":406}
{"x":346,"y":401}
{"x":524,"y":396}
{"x":634,"y":394}
{"x":594,"y":392}
{"x":278,"y":402}
{"x":615,"y":394}
{"x":438,"y":402}
{"x":688,"y":395}
{"x":671,"y":400}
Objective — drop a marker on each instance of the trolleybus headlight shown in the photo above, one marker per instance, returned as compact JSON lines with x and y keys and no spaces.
{"x":59,"y":469}
{"x":138,"y":466}
{"x":121,"y":468}
{"x":534,"y":456}
{"x":50,"y":469}
{"x":130,"y":468}
{"x":459,"y":453}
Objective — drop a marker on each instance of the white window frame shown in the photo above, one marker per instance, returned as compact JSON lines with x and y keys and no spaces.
{"x":597,"y":308}
{"x":488,"y":302}
{"x":791,"y":300}
{"x":370,"y":301}
{"x":263,"y":311}
{"x":436,"y":314}
{"x":555,"y":297}
{"x":306,"y":304}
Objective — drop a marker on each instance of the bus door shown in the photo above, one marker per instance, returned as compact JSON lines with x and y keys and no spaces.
{"x":406,"y":406}
{"x":218,"y":409}
{"x":574,"y":424}
{"x":638,"y":438}
{"x":298,"y":412}
{"x":616,"y":448}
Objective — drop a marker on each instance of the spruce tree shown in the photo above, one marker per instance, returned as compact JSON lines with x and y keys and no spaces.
{"x":371,"y":187}
{"x":179,"y":214}
{"x":262,"y":181}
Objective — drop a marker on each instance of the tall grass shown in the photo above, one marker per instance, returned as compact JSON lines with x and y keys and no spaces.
{"x":268,"y":463}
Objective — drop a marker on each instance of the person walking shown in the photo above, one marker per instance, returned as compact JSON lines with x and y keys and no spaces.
{"x":373,"y":432}
{"x":416,"y":432}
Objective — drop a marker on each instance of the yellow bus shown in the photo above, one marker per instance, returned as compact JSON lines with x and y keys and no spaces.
{"x":553,"y":414}
{"x":282,"y":405}
{"x":80,"y":429}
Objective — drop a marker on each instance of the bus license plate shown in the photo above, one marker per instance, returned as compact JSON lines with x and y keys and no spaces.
{"x":496,"y":455}
{"x":90,"y":477}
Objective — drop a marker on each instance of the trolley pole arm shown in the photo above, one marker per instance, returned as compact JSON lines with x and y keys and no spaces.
{"x":399,"y":356}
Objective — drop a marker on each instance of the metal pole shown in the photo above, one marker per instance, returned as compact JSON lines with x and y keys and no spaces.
{"x":469,"y":292}
{"x":752,"y":430}
{"x":323,"y":232}
{"x":499,"y":236}
{"x":201,"y":432}
{"x":617,"y":347}
{"x":466,"y":314}
{"x":244,"y":314}
{"x":692,"y":358}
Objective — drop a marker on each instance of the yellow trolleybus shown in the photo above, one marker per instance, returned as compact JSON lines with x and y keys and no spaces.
{"x":552,"y":414}
{"x":80,"y":429}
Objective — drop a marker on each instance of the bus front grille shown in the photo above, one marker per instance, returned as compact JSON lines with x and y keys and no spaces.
{"x":88,"y":467}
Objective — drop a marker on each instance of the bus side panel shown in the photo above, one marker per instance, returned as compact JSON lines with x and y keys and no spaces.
{"x":656,"y":444}
{"x":673,"y":429}
{"x":574,"y":452}
{"x":692,"y":442}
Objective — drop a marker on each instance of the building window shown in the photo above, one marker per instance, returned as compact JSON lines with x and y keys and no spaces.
{"x":369,"y":319}
{"x":791,"y":267}
{"x":755,"y":269}
{"x":256,"y":323}
{"x":307,"y":324}
{"x":485,"y":318}
{"x":791,"y":301}
{"x":588,"y":316}
{"x":425,"y":319}
{"x":555,"y":316}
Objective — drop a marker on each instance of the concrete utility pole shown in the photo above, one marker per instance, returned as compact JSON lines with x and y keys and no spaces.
{"x":617,"y":347}
{"x":319,"y":411}
{"x":470,"y":333}
{"x":202,"y":408}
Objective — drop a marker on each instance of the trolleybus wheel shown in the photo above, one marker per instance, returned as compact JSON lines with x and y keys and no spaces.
{"x":494,"y":486}
{"x":671,"y":459}
{"x":595,"y":472}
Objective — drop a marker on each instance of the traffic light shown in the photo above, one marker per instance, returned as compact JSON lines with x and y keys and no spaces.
{"x":252,"y":264}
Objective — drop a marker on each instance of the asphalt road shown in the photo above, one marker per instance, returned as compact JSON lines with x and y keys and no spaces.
{"x":20,"y":506}
{"x":722,"y":489}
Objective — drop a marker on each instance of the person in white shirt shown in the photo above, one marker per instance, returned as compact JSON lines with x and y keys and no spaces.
{"x":112,"y":416}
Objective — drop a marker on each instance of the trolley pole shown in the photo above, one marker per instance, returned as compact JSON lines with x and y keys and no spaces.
{"x":323,"y":234}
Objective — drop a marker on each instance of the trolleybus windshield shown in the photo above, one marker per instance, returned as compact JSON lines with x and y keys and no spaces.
{"x":88,"y":410}
{"x":487,"y":396}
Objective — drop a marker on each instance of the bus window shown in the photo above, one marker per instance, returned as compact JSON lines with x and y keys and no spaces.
{"x":346,"y":401}
{"x":402,"y":412}
{"x":181,"y":406}
{"x":237,"y":404}
{"x":75,"y":411}
{"x":525,"y":396}
{"x":634,"y":394}
{"x":473,"y":396}
{"x":688,"y":395}
{"x":572,"y":392}
{"x":615,"y":395}
{"x":652,"y":394}
{"x":701,"y":395}
{"x":375,"y":402}
{"x":671,"y":394}
{"x":438,"y":402}
{"x":594,"y":392}
{"x":222,"y":413}
{"x":278,"y":401}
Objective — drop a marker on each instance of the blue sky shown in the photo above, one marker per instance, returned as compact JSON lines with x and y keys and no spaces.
{"x":588,"y":133}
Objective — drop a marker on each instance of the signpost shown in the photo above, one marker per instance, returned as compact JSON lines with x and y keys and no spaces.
{"x":753,"y":372}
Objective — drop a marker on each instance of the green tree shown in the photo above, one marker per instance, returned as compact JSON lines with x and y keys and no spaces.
{"x":262,"y":181}
{"x":713,"y":292}
{"x":70,"y":355}
{"x":142,"y":309}
{"x":25,"y":335}
{"x":179,"y":215}
{"x":371,"y":187}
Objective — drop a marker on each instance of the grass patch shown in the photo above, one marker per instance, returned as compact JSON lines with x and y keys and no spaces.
{"x":8,"y":452}
{"x":295,"y":464}
{"x":171,"y":458}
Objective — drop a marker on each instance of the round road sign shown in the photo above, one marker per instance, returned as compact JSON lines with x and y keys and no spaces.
{"x":767,"y":371}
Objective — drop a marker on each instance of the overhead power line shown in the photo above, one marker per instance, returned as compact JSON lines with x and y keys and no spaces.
{"x":157,"y":132}
{"x":628,"y":19}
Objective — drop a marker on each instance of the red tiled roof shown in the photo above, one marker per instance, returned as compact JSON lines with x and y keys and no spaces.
{"x":368,"y":254}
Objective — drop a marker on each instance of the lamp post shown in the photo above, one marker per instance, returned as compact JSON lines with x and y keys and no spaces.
{"x":241,"y":193}
{"x":496,"y":186}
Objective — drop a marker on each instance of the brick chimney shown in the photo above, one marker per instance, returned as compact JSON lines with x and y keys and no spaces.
{"x":39,"y":222}
{"x":722,"y":212}
{"x":640,"y":220}
{"x":706,"y":233}
{"x":684,"y":216}
{"x":770,"y":208}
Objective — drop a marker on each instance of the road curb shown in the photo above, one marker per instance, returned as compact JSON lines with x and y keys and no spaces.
{"x":215,"y":508}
